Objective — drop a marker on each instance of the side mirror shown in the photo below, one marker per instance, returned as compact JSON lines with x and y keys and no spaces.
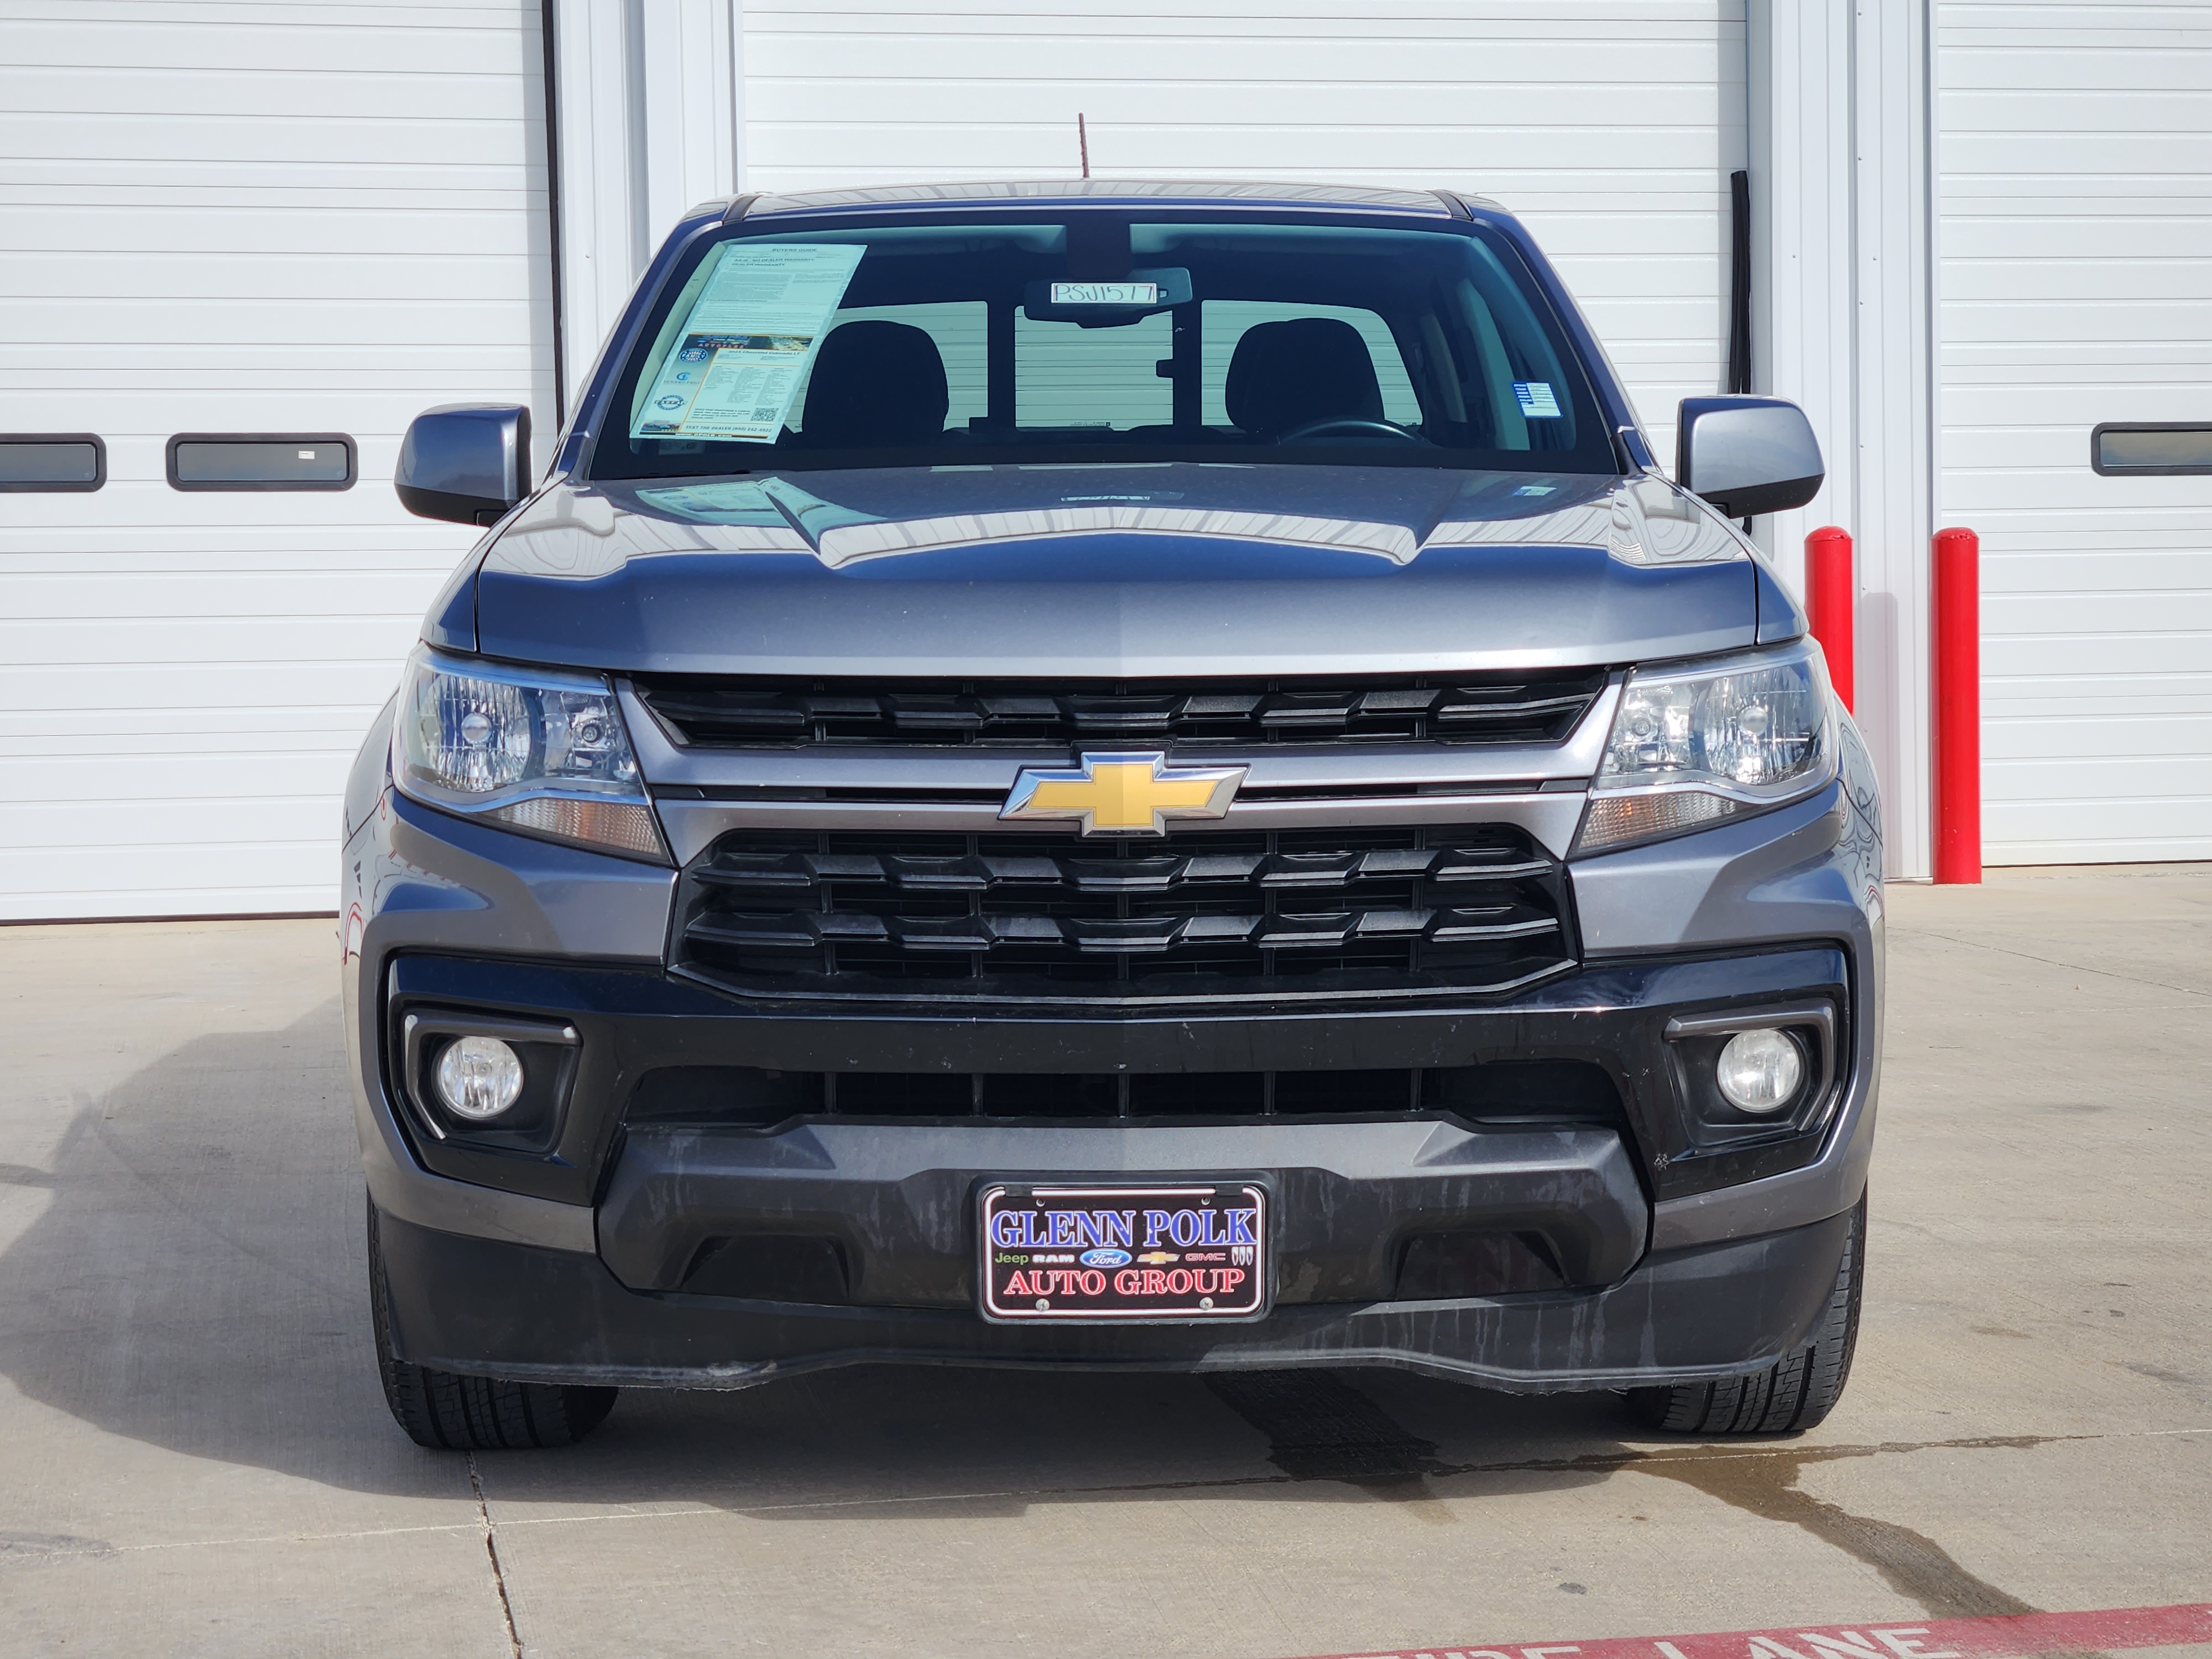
{"x":1748,"y":455}
{"x":465,"y":463}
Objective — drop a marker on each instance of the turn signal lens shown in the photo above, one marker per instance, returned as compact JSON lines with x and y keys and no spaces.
{"x":1758,"y":1071}
{"x":478,"y":1078}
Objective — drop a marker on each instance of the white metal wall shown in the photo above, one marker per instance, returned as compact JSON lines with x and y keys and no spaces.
{"x":214,"y":217}
{"x":1842,"y":292}
{"x":2076,"y":281}
{"x":1611,"y":125}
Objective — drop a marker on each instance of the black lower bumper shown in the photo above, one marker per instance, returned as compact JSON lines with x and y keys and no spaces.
{"x":490,"y":1307}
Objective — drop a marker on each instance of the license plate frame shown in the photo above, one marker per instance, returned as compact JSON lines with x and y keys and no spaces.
{"x":1235,"y":1241}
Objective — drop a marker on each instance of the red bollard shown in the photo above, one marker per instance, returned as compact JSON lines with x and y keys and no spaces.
{"x":1832,"y":594}
{"x":1958,"y":650}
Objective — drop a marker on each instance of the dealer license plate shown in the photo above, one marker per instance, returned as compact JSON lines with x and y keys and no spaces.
{"x":1195,"y":1251}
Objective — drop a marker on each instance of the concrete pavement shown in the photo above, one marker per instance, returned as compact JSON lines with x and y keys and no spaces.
{"x":194,"y":1458}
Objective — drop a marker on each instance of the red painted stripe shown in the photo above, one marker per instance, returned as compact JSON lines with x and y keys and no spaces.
{"x":2017,"y":1634}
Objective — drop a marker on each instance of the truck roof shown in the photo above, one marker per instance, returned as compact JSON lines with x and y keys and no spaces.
{"x":1095,"y":192}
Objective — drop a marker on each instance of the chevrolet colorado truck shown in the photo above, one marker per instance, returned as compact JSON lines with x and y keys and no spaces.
{"x":1128,"y":775}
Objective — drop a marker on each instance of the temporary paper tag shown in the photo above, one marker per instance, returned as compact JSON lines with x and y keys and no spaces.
{"x":1105,"y":293}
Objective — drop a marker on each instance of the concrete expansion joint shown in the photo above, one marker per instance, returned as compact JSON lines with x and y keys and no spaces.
{"x":491,"y":1549}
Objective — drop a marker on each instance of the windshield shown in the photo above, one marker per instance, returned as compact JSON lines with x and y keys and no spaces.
{"x":1099,"y":338}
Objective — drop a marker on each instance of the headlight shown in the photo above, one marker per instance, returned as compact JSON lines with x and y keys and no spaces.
{"x":533,"y":749}
{"x":1691,"y":746}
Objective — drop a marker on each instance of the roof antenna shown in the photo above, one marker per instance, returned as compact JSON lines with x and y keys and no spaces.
{"x":1082,"y":143}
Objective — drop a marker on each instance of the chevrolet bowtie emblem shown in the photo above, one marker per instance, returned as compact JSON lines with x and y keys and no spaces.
{"x":1123,"y":794}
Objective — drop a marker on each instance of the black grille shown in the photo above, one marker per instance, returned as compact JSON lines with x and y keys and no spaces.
{"x":1011,"y":916}
{"x":748,"y":714}
{"x":1504,"y":1093}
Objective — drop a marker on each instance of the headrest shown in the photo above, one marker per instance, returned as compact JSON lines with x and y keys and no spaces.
{"x":1308,"y":368}
{"x":875,"y":383}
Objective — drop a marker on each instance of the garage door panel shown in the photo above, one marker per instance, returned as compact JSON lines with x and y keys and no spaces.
{"x":2126,"y":742}
{"x":1436,"y":97}
{"x":2120,"y":234}
{"x":2060,"y":397}
{"x":269,"y":641}
{"x":2099,"y":613}
{"x":179,"y":828}
{"x":2086,"y":321}
{"x":238,"y":877}
{"x":1610,"y":130}
{"x":243,"y":736}
{"x":1167,"y":147}
{"x":2134,"y":570}
{"x":158,"y":597}
{"x":2056,"y":282}
{"x":257,"y":780}
{"x":105,"y":693}
{"x":220,"y":291}
{"x":320,"y":219}
{"x":2077,"y":278}
{"x":2115,"y":655}
{"x":150,"y":93}
{"x":315,"y":40}
{"x":320,"y":142}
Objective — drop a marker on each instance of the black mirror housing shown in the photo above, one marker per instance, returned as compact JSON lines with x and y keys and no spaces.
{"x":1748,"y":455}
{"x":464,"y":463}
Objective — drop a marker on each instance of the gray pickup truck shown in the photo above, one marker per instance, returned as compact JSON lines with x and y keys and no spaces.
{"x":1129,"y":775}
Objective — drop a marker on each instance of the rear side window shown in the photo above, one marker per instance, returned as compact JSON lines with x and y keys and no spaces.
{"x":955,"y":327}
{"x":1226,"y":321}
{"x":1077,"y":379}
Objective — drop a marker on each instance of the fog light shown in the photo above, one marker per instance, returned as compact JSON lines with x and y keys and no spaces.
{"x":1759,"y":1071}
{"x":479,"y":1077}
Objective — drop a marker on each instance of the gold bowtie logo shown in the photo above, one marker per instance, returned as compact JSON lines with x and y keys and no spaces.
{"x":1124,"y":794}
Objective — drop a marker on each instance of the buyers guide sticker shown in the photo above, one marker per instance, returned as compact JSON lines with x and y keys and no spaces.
{"x":742,"y":353}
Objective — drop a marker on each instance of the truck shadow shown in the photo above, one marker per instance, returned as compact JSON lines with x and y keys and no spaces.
{"x":197,"y":1280}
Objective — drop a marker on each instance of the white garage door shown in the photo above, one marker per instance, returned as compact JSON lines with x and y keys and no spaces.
{"x":2077,"y":284}
{"x":1611,"y":128}
{"x":285,"y":219}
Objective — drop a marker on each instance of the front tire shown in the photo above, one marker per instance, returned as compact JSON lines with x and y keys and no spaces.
{"x":1787,"y":1397}
{"x":447,"y":1411}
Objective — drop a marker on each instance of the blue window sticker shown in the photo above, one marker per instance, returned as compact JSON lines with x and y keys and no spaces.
{"x":1537,"y":402}
{"x":1535,"y":489}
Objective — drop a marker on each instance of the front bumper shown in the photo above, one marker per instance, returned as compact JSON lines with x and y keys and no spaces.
{"x":490,"y":1307}
{"x":568,"y":1262}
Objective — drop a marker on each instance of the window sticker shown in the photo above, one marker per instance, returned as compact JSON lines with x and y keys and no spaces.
{"x":742,"y":353}
{"x":1535,"y":489}
{"x":1536,"y":400}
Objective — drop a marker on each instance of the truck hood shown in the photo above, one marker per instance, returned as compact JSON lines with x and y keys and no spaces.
{"x":1112,"y":571}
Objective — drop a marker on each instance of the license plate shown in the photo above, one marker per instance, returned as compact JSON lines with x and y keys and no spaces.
{"x":1129,"y":1254}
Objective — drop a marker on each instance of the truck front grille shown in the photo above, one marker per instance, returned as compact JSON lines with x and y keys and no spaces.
{"x":1473,"y":909}
{"x":753,"y":712}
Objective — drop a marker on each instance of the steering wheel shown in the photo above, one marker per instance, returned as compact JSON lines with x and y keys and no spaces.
{"x":1349,"y":424}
